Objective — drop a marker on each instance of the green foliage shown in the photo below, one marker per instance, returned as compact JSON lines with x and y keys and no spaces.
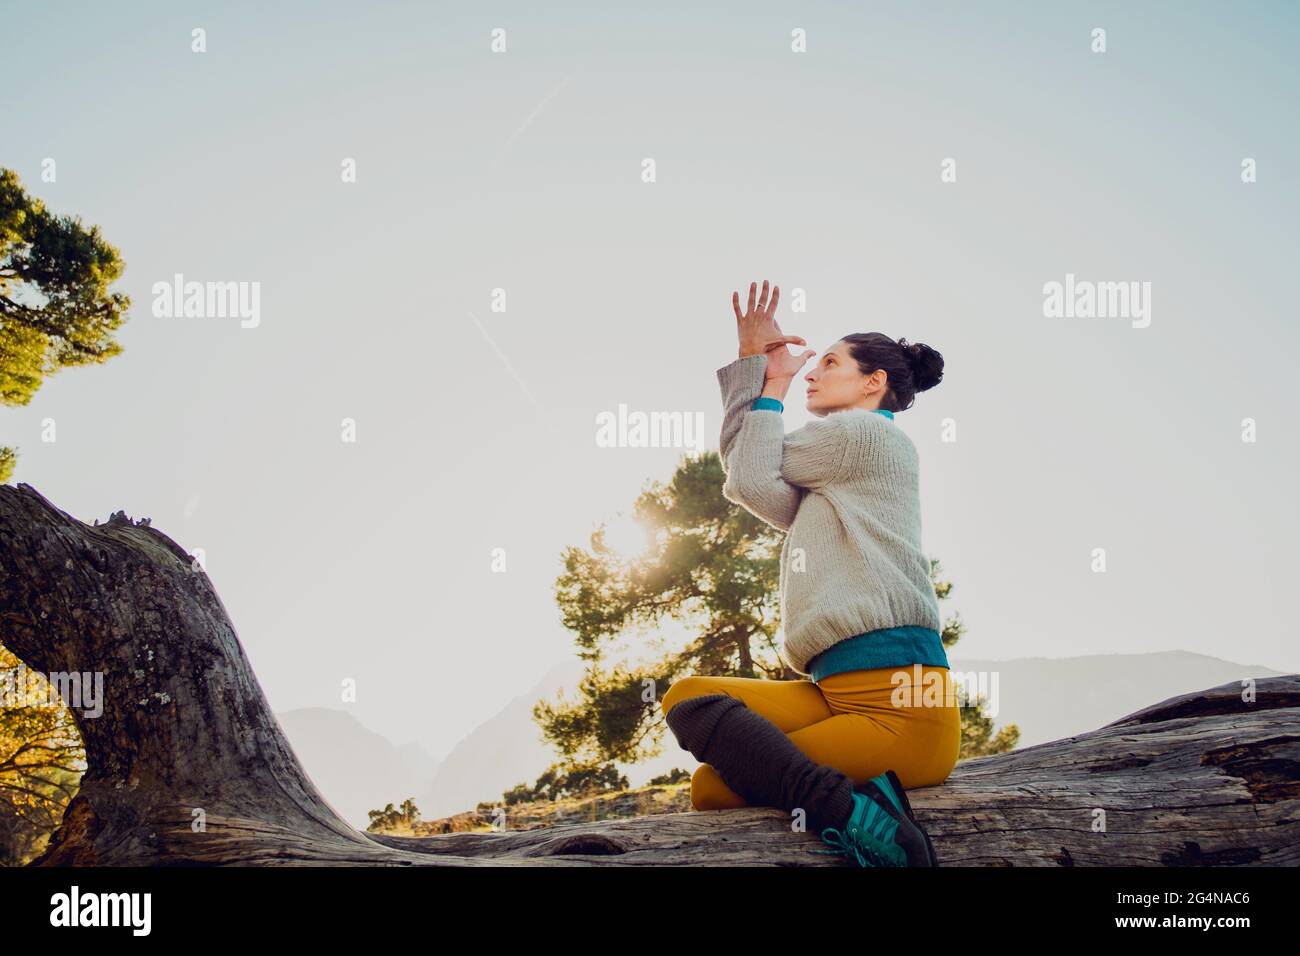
{"x":390,"y":818}
{"x":558,"y":783}
{"x":977,"y":737}
{"x":55,"y":307}
{"x":41,"y":761}
{"x":676,"y":775}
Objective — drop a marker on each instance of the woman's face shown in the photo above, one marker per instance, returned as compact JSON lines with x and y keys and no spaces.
{"x":835,"y":383}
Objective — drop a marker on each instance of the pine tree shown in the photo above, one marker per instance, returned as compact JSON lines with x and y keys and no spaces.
{"x":55,"y":307}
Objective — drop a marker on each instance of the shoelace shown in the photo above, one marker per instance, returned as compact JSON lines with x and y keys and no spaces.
{"x":872,"y":835}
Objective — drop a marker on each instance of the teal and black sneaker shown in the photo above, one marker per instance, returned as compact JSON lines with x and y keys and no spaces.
{"x":881,"y":829}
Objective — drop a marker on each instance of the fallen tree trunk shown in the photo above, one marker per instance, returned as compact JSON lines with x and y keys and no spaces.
{"x":187,"y":764}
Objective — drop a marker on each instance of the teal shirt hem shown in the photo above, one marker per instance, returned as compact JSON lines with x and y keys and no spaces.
{"x":885,"y":647}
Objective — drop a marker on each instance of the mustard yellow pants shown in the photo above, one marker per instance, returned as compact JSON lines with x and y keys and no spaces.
{"x":860,"y":722}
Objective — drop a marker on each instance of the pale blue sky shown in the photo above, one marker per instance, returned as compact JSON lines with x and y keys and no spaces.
{"x":521,"y":170}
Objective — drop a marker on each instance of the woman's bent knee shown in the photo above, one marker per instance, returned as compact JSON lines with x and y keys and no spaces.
{"x":710,"y":792}
{"x":693,"y":686}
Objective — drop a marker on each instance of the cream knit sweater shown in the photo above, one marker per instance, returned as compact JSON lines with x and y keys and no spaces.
{"x":846,"y":489}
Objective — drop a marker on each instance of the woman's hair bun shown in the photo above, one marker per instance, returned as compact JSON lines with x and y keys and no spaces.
{"x":925,"y":362}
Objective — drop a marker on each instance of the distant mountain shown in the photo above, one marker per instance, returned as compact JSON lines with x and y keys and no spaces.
{"x":422,"y":764}
{"x":1051,"y":698}
{"x":355,"y":769}
{"x":504,"y":750}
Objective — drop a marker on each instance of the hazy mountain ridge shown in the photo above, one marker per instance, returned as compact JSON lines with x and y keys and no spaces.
{"x":356,"y":769}
{"x":1053,"y":698}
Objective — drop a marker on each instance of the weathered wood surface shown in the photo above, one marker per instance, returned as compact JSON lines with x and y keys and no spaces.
{"x":1202,"y":779}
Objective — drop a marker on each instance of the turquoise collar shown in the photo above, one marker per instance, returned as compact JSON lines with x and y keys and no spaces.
{"x":884,"y":411}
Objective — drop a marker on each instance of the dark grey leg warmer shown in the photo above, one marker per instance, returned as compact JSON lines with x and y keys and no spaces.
{"x":758,"y":761}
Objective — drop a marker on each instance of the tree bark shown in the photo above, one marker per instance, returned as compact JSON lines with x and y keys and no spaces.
{"x":188,"y":766}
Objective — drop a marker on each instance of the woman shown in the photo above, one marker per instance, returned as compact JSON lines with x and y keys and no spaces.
{"x":858,"y":607}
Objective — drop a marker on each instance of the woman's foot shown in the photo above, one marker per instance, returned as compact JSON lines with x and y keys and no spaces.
{"x":896,"y":788}
{"x":881,"y":829}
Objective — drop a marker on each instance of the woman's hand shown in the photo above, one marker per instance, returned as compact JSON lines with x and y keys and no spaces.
{"x":759,"y":334}
{"x":784,"y":364}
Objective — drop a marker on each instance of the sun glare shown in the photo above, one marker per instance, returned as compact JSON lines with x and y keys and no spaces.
{"x":626,"y":537}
